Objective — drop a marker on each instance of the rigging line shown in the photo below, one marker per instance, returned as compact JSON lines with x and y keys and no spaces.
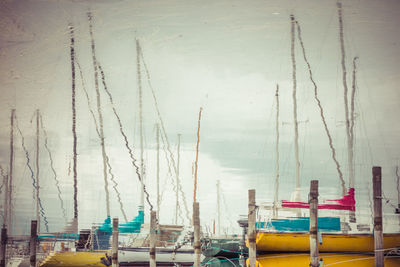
{"x":228,"y":213}
{"x":121,"y":129}
{"x":2,"y":172}
{"x":387,"y":200}
{"x":103,"y":79}
{"x":98,"y":134}
{"x":2,"y":184}
{"x":72,"y":52}
{"x":112,"y":178}
{"x":177,"y":178}
{"x":42,"y":213}
{"x":321,"y":110}
{"x":158,"y":169}
{"x":162,"y":192}
{"x":88,"y":99}
{"x":296,"y":127}
{"x":64,"y":211}
{"x":99,"y":111}
{"x":175,"y":186}
{"x":163,"y":131}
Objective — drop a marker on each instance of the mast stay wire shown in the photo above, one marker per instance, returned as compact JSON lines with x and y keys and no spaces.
{"x":333,"y":151}
{"x":64,"y":211}
{"x":112,"y":177}
{"x":42,"y":213}
{"x":163,"y":131}
{"x":121,"y":129}
{"x":174,"y":186}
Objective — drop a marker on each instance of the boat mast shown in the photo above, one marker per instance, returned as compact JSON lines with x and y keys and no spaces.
{"x":398,"y":190}
{"x":72,"y":48}
{"x":96,"y":82}
{"x":158,"y":170}
{"x":296,"y":128}
{"x":197,"y":157}
{"x":37,"y":170}
{"x":139,"y":79}
{"x":275,"y":208}
{"x":218,"y":209}
{"x":350,"y":160}
{"x":5,"y":201}
{"x":177,"y":180}
{"x":9,"y":190}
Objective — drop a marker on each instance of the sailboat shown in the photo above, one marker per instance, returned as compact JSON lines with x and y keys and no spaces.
{"x":291,"y":241}
{"x":99,"y":236}
{"x":328,"y":259}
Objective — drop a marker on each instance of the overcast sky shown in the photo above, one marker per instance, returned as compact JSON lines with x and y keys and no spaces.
{"x":224,"y":56}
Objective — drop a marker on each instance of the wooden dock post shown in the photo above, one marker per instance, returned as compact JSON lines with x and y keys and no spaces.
{"x":378,"y":231}
{"x":153,"y":229}
{"x":33,"y":243}
{"x":114,"y":256}
{"x":3,"y":246}
{"x":196,"y":226}
{"x":313,"y":200}
{"x":251,"y":230}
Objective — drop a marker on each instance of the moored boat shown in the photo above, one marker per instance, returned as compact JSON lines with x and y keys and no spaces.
{"x":126,"y":257}
{"x":338,"y":260}
{"x":300,"y":242}
{"x":75,"y":259}
{"x":227,"y":247}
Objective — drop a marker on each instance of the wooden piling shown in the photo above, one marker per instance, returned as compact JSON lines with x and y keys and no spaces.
{"x":115,"y":232}
{"x":378,"y":229}
{"x":33,"y":243}
{"x":153,"y":230}
{"x":196,"y":227}
{"x":251,"y":230}
{"x":313,"y":200}
{"x":3,"y":246}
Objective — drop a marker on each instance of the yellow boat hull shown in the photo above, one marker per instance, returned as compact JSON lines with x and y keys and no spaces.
{"x":337,"y":260}
{"x":74,"y":259}
{"x":300,"y":242}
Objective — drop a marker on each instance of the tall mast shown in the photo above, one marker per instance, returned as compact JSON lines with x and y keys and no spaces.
{"x":72,"y":46}
{"x":398,"y":190}
{"x":218,"y":209}
{"x":96,"y":82}
{"x":5,"y":217}
{"x":275,"y":208}
{"x":197,"y":158}
{"x":139,"y":79}
{"x":10,"y":188}
{"x":37,"y":170}
{"x":177,"y":180}
{"x":158,"y":171}
{"x":296,"y":128}
{"x":350,"y":159}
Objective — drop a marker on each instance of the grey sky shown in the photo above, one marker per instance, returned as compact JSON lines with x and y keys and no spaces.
{"x":225,"y":56}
